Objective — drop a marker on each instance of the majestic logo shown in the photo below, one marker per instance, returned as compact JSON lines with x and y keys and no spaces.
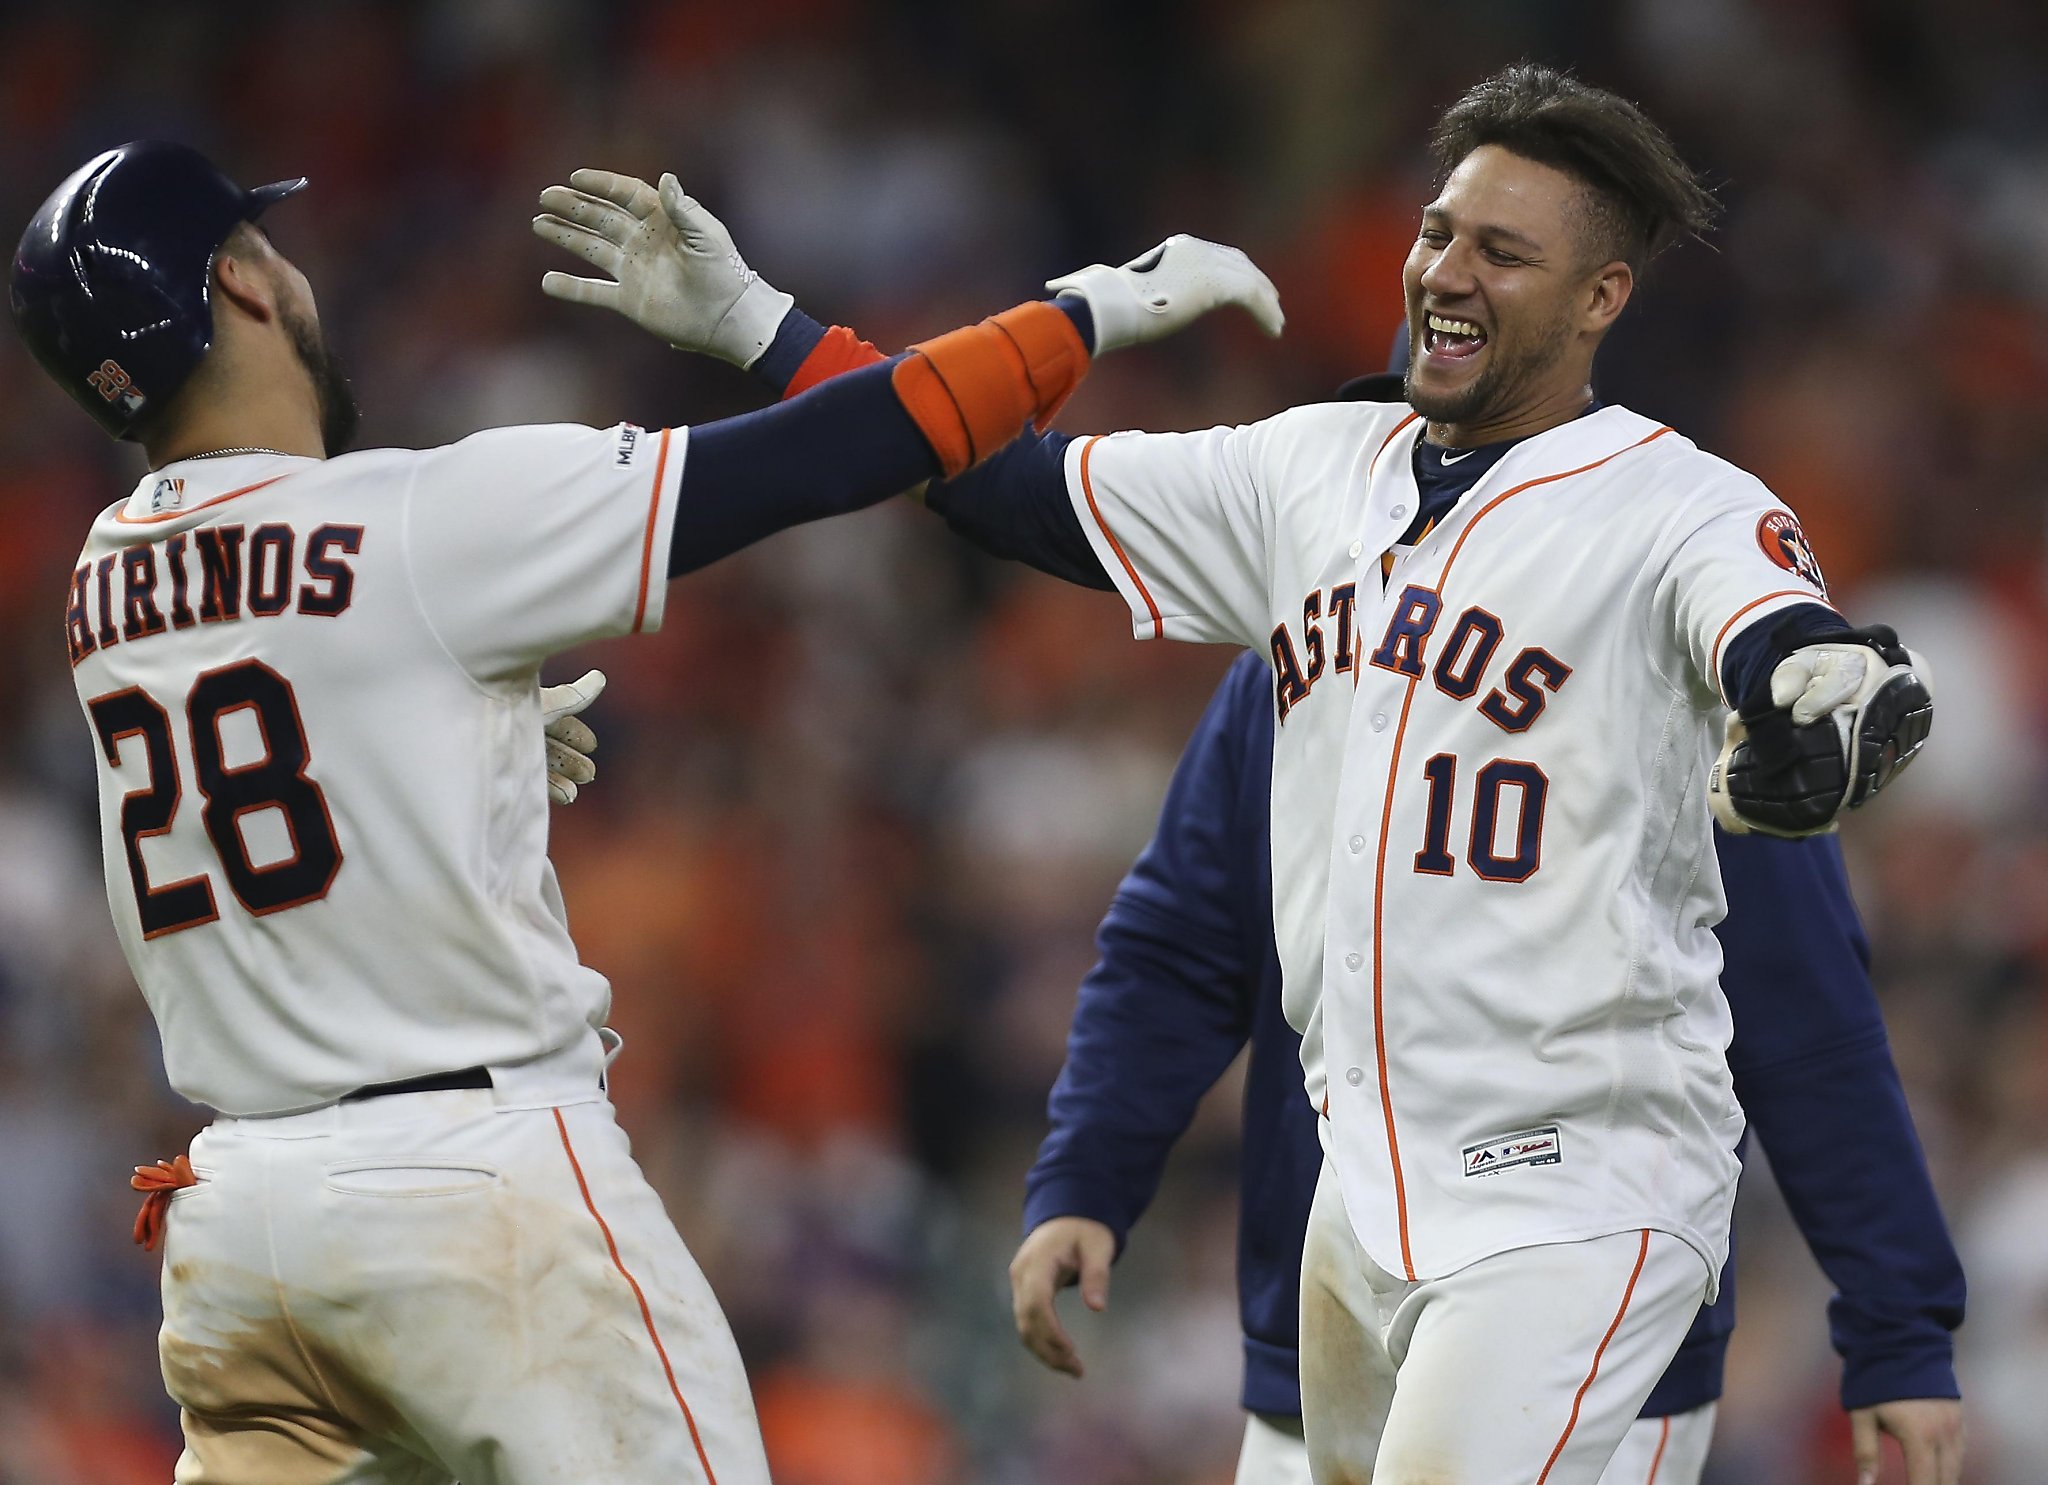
{"x":1784,"y":543}
{"x":111,"y":382}
{"x":168,"y":494}
{"x":1530,"y":1147}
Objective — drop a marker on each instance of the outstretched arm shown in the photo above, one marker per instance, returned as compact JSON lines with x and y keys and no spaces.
{"x":675,"y":272}
{"x":1013,"y":505}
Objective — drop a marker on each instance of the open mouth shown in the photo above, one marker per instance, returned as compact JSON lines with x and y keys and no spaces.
{"x":1452,"y":339}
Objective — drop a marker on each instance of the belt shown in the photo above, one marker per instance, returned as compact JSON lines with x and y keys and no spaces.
{"x":467,"y":1077}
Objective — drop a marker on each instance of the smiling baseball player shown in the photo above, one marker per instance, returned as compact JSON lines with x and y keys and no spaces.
{"x":414,"y":1245}
{"x":1188,"y":974}
{"x":1504,"y":623}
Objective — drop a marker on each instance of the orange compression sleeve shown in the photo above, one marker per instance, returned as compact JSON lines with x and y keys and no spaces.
{"x":840,"y":350}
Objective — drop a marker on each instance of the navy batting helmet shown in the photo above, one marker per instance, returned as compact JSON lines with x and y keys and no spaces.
{"x":112,"y":282}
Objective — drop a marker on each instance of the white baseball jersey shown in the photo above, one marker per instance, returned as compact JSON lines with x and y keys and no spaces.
{"x":313,"y":689}
{"x":1493,"y":870}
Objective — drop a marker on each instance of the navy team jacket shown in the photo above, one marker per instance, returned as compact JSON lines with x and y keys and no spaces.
{"x":1189,"y":973}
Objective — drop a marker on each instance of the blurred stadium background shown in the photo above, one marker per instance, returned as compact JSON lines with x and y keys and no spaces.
{"x":864,"y":798}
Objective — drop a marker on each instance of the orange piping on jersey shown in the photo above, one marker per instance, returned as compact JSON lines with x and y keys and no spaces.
{"x":1375,"y":464}
{"x":1379,"y":1021}
{"x":1657,"y":1459}
{"x":646,"y":1315}
{"x":1642,"y":1252}
{"x":1088,"y":490}
{"x":171,"y":515}
{"x":1386,"y":826}
{"x":647,"y":542}
{"x":1714,"y":658}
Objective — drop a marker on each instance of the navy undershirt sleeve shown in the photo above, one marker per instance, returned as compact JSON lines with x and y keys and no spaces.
{"x":1749,"y":659}
{"x":1015,"y":504}
{"x":795,"y":338}
{"x":844,"y":445}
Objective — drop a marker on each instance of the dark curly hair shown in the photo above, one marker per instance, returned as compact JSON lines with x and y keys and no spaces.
{"x":1641,"y":196}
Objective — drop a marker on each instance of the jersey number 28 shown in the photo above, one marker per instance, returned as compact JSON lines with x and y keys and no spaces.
{"x":275,"y":781}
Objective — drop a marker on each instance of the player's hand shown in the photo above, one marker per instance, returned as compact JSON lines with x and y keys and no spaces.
{"x":1929,"y":1431}
{"x":1059,"y":1252}
{"x":1168,"y":289}
{"x":1845,"y":717}
{"x":570,"y":742}
{"x":674,"y":270}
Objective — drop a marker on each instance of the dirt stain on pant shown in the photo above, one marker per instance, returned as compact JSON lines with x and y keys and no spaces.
{"x":1346,"y":1379}
{"x":259,"y":1408}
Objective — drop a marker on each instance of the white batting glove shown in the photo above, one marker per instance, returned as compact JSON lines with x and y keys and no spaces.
{"x":570,"y":742}
{"x":674,"y":270}
{"x":1814,"y":681}
{"x":1166,"y":290}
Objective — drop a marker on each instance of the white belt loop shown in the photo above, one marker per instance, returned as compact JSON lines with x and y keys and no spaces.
{"x":571,"y":1074}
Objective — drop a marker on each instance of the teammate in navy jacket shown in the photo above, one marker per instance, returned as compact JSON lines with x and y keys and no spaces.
{"x":1189,"y":974}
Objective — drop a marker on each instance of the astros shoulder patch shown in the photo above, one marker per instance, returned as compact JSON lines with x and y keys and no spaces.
{"x":1784,"y":543}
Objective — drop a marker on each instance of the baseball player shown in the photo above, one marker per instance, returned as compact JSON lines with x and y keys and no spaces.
{"x":413,"y":1245}
{"x":1505,"y":624}
{"x":1189,"y":974}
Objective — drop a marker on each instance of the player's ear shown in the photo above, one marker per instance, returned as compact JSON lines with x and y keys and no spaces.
{"x":243,"y":278}
{"x":1606,"y":296}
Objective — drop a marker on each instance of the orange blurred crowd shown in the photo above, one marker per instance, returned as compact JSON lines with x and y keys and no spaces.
{"x":863,"y":799}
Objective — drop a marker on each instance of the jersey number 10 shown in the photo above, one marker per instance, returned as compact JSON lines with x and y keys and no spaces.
{"x":1489,"y":788}
{"x":276,"y":781}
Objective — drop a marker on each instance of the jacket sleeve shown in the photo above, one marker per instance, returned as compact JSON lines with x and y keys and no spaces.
{"x":1814,"y":1070}
{"x":1169,"y":1003}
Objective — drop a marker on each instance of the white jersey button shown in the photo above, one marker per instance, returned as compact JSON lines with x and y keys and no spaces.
{"x":1352,"y":961}
{"x":1354,"y":1076}
{"x":1398,"y":512}
{"x":1379,"y":721}
{"x":1357,"y":844}
{"x":1357,"y":547}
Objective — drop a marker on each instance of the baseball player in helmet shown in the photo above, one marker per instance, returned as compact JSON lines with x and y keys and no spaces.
{"x":413,"y":1245}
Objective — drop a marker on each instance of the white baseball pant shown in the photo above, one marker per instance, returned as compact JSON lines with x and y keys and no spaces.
{"x":1274,"y":1452}
{"x":1664,"y":1451}
{"x":1654,"y":1451}
{"x":422,"y":1287}
{"x":1527,"y":1365}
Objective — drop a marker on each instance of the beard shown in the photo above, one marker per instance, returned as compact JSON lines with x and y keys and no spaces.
{"x":339,"y":412}
{"x":1499,"y":389}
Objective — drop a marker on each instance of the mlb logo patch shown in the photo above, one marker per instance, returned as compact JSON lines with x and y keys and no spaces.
{"x":627,"y":444}
{"x":168,"y":494}
{"x":1530,"y":1147}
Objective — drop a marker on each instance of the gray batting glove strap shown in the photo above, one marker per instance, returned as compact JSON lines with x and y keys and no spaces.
{"x":1845,"y":717}
{"x":673,"y":268}
{"x":1164,"y":291}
